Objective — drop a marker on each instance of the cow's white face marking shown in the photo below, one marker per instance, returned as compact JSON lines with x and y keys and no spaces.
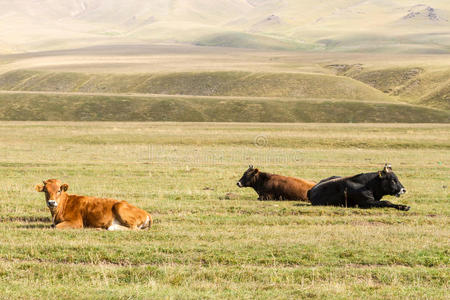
{"x":52,"y":203}
{"x":402,"y":191}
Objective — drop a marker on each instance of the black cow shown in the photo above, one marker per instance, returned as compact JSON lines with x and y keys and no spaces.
{"x":363,"y":190}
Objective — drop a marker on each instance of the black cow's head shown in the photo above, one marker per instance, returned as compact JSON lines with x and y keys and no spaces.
{"x":390,"y":183}
{"x":249,"y":177}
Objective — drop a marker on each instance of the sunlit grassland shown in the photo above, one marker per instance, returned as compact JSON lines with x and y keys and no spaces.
{"x":207,"y":244}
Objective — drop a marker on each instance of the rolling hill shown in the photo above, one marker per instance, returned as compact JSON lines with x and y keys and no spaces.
{"x":82,"y":107}
{"x":191,"y":83}
{"x":242,"y":84}
{"x":418,"y":84}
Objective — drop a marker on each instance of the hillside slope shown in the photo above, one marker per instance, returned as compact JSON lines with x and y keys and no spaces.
{"x":440,"y":97}
{"x":51,"y":107}
{"x":218,"y":84}
{"x":415,"y":84}
{"x":196,"y":83}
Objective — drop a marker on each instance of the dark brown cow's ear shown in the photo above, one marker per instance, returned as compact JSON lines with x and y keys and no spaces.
{"x":381,"y":174}
{"x":256,"y":171}
{"x":64,"y":187}
{"x":39,"y":187}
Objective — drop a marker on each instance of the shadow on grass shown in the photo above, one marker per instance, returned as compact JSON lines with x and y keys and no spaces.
{"x":26,"y":219}
{"x":35,"y":226}
{"x":302,"y":204}
{"x":31,"y":222}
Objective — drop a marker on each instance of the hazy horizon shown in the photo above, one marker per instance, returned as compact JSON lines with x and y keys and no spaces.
{"x":387,"y":26}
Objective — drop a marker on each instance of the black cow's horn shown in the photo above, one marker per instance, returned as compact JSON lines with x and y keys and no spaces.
{"x":387,"y":167}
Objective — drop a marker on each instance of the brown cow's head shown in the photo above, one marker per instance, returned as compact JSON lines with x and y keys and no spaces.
{"x":249,"y":177}
{"x":390,"y":183}
{"x":53,"y":190}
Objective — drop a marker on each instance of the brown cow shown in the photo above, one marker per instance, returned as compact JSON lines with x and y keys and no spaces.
{"x":275,"y":187}
{"x":73,"y":211}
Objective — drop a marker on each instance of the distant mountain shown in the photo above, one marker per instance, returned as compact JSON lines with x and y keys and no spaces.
{"x":424,"y":12}
{"x":339,"y":25}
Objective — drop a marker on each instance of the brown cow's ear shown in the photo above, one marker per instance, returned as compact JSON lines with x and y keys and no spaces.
{"x":64,"y":187}
{"x":39,"y":187}
{"x":256,"y":171}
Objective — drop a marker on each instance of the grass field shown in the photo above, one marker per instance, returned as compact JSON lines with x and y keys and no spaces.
{"x":205,"y":244}
{"x":166,"y":103}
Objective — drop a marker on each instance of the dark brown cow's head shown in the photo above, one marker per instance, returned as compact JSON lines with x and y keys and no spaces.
{"x":249,"y":177}
{"x":53,"y":190}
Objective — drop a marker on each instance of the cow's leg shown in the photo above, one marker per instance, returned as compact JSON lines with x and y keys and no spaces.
{"x":147,"y":223}
{"x":262,"y":197}
{"x":115,"y":226}
{"x":130,"y":217}
{"x":375,"y":203}
{"x":266,"y":197}
{"x":365,"y":199}
{"x":67,"y":224}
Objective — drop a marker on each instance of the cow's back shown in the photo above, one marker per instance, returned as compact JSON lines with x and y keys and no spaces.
{"x":288,"y":188}
{"x":337,"y":190}
{"x":330,"y":192}
{"x":94,"y":212}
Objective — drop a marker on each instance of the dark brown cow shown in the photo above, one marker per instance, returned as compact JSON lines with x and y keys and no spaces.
{"x":275,"y":187}
{"x":73,"y":211}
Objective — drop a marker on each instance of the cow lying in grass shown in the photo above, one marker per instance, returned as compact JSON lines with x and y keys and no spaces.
{"x":73,"y":211}
{"x":275,"y":187}
{"x":363,"y":190}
